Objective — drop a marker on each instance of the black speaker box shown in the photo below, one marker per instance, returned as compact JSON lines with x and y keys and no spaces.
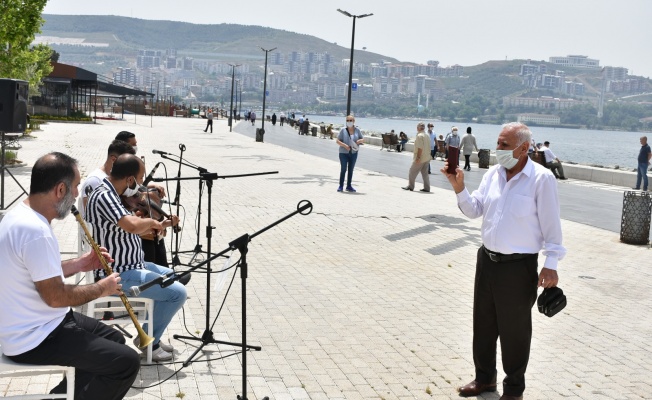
{"x":13,"y":105}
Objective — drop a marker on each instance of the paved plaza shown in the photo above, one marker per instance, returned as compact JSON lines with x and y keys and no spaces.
{"x":369,"y":296}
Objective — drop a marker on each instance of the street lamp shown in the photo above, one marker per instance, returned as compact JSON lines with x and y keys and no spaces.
{"x":231,"y":106}
{"x":262,"y":127}
{"x":348,"y":99}
{"x":240,"y":108}
{"x":237,"y":84}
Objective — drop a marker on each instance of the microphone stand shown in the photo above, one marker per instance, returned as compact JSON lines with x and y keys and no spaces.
{"x":203,"y":174}
{"x":241,"y":244}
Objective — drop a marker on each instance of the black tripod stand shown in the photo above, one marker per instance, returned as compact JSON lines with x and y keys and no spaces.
{"x":241,"y":244}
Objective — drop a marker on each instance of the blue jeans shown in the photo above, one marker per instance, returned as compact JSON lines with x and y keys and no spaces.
{"x":167,"y":301}
{"x":347,"y":159}
{"x":641,"y":173}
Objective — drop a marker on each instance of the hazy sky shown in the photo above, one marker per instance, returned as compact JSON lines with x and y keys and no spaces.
{"x":466,"y":32}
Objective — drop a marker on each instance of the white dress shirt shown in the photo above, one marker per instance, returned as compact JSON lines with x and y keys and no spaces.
{"x":548,"y":154}
{"x":519,"y":216}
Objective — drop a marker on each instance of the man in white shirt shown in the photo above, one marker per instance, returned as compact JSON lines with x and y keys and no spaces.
{"x":552,"y":161}
{"x":520,"y":208}
{"x":433,"y":145}
{"x":37,"y":324}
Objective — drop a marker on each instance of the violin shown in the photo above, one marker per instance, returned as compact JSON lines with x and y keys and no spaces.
{"x":148,"y":205}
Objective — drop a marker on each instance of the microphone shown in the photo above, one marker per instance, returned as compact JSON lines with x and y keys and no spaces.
{"x":304,"y":205}
{"x":163,"y":153}
{"x":136,"y":290}
{"x":151,"y":174}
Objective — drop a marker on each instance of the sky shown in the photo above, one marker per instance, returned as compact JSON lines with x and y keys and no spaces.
{"x":465,"y":32}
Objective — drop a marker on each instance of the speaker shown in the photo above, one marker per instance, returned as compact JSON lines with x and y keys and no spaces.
{"x":13,"y":105}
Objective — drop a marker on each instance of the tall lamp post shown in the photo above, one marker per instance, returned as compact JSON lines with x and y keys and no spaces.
{"x":348,"y":99}
{"x":240,"y":107}
{"x":237,"y":84}
{"x":231,"y":106}
{"x":262,"y":127}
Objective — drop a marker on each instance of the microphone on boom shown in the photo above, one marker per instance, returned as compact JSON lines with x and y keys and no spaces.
{"x":163,"y":153}
{"x":151,"y":174}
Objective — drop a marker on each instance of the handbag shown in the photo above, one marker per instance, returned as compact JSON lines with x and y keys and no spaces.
{"x":551,"y":301}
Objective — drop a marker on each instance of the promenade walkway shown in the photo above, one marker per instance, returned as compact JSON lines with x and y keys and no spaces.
{"x":369,"y":296}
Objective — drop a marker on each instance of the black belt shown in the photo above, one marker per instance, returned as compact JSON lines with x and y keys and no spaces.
{"x":499,"y":258}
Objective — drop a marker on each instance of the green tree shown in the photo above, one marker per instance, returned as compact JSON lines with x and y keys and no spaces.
{"x":20,"y":21}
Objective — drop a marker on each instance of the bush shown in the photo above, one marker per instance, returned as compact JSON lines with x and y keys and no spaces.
{"x":76,"y":116}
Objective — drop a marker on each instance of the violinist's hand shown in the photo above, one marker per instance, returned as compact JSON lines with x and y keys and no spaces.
{"x":159,"y":188}
{"x":155,"y":226}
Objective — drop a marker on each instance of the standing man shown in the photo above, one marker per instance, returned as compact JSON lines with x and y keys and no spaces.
{"x":420,"y":160}
{"x":282,"y":119}
{"x":252,"y":117}
{"x":209,"y":117}
{"x":553,"y":162}
{"x":452,"y":139}
{"x":466,"y":147}
{"x":433,"y":145}
{"x":37,"y":325}
{"x":518,"y":202}
{"x":115,"y":228}
{"x":643,"y":162}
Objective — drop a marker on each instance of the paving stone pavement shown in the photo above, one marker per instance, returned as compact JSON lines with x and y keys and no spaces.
{"x":369,"y":296}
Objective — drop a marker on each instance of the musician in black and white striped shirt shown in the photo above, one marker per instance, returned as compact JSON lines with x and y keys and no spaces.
{"x":117,"y":229}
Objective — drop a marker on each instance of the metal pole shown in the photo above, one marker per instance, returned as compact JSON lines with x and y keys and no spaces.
{"x":240,"y":108}
{"x":348,"y":98}
{"x":262,"y":127}
{"x":231,"y":106}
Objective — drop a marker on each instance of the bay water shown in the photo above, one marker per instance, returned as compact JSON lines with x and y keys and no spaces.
{"x":582,"y":146}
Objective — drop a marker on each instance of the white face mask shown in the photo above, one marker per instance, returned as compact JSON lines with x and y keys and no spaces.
{"x":131,"y":191}
{"x":349,"y":124}
{"x":506,"y":158}
{"x":454,"y":133}
{"x":135,"y":149}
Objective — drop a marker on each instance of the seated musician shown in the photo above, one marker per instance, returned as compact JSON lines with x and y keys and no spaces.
{"x":117,"y":229}
{"x":37,"y":325}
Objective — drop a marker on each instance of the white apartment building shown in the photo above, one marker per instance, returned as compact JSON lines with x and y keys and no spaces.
{"x":575,"y":61}
{"x":541,"y":119}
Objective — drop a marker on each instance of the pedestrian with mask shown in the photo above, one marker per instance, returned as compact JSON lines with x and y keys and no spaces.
{"x":349,"y":140}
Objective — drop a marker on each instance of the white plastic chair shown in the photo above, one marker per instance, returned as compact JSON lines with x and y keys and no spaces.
{"x":9,"y":369}
{"x":142,"y":306}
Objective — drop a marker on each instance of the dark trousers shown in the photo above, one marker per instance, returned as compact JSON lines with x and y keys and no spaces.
{"x":155,"y":252}
{"x":432,"y":157}
{"x":104,"y":367}
{"x":503,"y":297}
{"x":347,"y":159}
{"x":209,"y":123}
{"x":467,"y":161}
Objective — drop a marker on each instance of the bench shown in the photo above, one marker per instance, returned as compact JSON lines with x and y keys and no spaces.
{"x":390,"y":141}
{"x":538,"y":157}
{"x":11,"y":141}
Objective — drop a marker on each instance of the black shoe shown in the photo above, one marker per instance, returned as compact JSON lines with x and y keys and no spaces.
{"x":424,"y":190}
{"x":407,"y":188}
{"x":563,"y":178}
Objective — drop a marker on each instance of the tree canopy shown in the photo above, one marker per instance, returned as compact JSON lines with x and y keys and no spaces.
{"x":20,"y":21}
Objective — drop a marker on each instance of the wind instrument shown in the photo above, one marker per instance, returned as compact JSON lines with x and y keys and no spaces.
{"x":145,"y":340}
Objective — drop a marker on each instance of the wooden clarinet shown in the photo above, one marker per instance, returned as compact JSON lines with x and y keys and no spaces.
{"x":145,"y":340}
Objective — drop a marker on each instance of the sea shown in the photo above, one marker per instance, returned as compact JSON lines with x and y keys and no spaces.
{"x":581,"y":146}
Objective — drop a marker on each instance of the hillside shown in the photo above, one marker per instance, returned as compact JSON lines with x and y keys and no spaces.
{"x":228,"y":42}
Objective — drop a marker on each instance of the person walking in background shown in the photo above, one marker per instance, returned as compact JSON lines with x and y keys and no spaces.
{"x":553,"y":162}
{"x":274,"y":119}
{"x":644,"y":156}
{"x":252,"y":117}
{"x":466,"y":147}
{"x":433,"y":145}
{"x":518,"y":201}
{"x":209,"y":117}
{"x":452,"y":139}
{"x":281,"y":118}
{"x":402,"y":140}
{"x":420,"y":160}
{"x":348,"y":139}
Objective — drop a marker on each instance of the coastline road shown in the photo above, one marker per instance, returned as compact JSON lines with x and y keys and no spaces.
{"x":590,"y":205}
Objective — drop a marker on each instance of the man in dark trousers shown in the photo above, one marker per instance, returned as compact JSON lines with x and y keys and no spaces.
{"x":643,"y":163}
{"x":520,"y":208}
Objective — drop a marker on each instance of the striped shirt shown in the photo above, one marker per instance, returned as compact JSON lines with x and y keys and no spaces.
{"x":103,"y":211}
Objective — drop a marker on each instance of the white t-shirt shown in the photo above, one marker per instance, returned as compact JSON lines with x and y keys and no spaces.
{"x":93,"y":180}
{"x":30,"y":253}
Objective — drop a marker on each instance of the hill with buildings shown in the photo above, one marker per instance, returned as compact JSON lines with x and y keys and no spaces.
{"x":193,"y":64}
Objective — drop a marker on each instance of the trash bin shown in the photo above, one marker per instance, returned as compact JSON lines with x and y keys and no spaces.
{"x":314,"y":131}
{"x":483,"y":158}
{"x":637,"y":211}
{"x":259,"y":134}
